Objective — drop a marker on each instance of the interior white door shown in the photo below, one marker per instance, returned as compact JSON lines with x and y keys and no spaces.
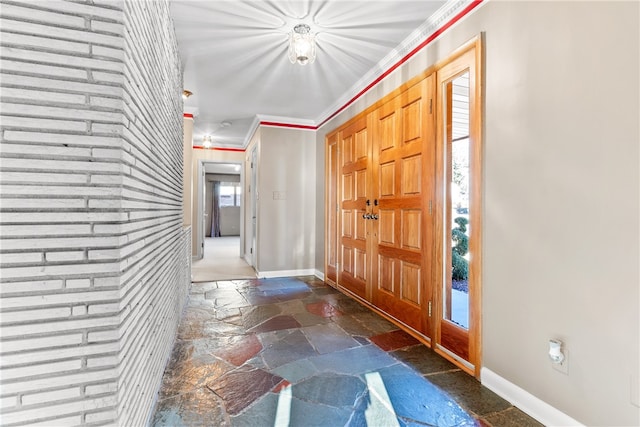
{"x":254,"y":207}
{"x":200,"y":226}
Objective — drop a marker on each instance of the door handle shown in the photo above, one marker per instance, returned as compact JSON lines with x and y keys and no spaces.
{"x":374,"y":216}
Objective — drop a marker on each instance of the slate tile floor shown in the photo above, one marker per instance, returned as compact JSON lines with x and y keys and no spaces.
{"x":294,"y":351}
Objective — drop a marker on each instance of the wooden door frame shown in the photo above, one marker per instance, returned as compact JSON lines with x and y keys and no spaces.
{"x":470,"y":55}
{"x":331,"y":208}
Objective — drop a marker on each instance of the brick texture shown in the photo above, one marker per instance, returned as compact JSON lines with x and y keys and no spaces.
{"x":94,"y":261}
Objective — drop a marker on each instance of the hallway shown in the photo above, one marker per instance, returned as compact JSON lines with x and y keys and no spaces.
{"x":294,"y":351}
{"x":221,"y":261}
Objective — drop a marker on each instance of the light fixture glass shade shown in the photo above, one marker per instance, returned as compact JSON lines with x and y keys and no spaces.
{"x":207,"y":142}
{"x":302,"y":45}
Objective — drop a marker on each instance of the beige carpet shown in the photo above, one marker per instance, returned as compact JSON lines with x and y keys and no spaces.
{"x":221,"y":261}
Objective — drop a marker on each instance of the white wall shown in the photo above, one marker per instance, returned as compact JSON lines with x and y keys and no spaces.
{"x":320,"y":195}
{"x":561,"y":193}
{"x":95,"y":266}
{"x":287,"y":200}
{"x":230,"y":221}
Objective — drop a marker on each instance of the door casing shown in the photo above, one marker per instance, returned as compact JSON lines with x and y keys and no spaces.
{"x":200,"y":228}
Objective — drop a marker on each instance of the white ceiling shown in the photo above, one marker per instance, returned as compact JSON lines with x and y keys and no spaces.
{"x":234,"y":55}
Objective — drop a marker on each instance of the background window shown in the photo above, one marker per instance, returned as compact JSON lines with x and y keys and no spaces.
{"x":230,"y":193}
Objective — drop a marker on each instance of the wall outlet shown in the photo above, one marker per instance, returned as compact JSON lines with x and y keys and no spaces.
{"x":564,"y":366}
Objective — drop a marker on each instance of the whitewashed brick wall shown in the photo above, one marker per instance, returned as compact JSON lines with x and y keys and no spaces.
{"x":95,"y":264}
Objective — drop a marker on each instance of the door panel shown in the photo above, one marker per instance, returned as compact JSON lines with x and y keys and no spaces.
{"x":403,"y":146}
{"x":411,"y":229}
{"x":386,"y":226}
{"x":387,"y":174}
{"x":354,"y":180}
{"x":454,"y":338}
{"x":411,"y":175}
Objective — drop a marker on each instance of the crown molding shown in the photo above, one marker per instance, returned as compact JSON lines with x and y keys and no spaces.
{"x":194,"y":111}
{"x":289,"y":126}
{"x":289,"y":121}
{"x":415,"y":42}
{"x":252,"y":130}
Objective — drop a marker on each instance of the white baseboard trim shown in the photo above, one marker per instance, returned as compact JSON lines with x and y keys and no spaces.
{"x":525,"y":401}
{"x":319,"y":274}
{"x":285,"y":273}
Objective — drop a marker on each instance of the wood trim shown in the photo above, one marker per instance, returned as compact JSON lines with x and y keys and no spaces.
{"x":448,"y":149}
{"x":330,"y":271}
{"x":371,"y":228}
{"x":406,"y":328}
{"x":455,"y":339}
{"x":476,"y":126}
{"x":468,"y":57}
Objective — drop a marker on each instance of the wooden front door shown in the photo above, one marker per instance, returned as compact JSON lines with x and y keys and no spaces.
{"x":354,"y":181}
{"x":403,"y":170}
{"x":401,"y":238}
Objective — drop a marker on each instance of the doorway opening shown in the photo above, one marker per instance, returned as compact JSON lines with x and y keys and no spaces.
{"x":220,"y":227}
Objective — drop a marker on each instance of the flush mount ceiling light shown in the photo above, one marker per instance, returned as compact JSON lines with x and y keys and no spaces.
{"x":207,"y":142}
{"x":302,"y":45}
{"x":186,"y":94}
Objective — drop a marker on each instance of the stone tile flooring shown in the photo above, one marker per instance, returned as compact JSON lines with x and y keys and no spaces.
{"x":294,"y":351}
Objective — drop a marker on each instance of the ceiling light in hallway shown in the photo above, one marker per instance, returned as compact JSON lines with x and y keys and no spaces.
{"x":302,"y":45}
{"x":207,"y":142}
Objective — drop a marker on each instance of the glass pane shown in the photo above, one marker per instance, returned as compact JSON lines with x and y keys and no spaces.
{"x":238,"y":194}
{"x":457,"y":285}
{"x":227,"y":194}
